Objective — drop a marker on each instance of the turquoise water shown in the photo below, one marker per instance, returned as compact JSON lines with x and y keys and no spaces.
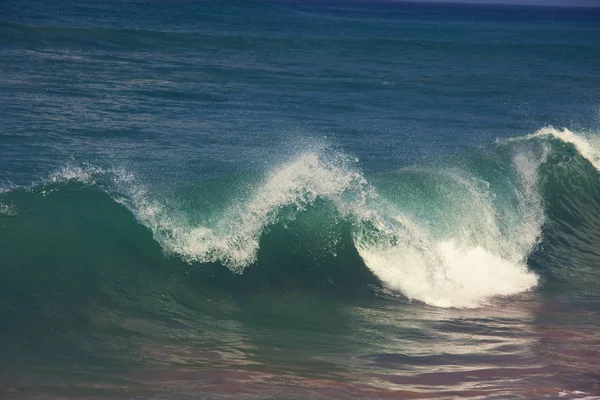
{"x":298,"y":200}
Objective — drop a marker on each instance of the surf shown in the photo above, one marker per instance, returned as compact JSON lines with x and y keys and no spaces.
{"x":448,"y":237}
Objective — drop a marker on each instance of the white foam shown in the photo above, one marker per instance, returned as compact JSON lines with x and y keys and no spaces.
{"x":447,"y":274}
{"x":475,"y":261}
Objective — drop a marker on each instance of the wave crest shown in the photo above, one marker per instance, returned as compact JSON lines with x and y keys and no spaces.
{"x":586,"y":145}
{"x":234,"y":240}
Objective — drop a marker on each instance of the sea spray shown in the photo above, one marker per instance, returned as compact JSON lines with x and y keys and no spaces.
{"x":234,"y":240}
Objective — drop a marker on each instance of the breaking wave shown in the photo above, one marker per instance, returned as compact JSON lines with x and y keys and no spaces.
{"x":445,"y":236}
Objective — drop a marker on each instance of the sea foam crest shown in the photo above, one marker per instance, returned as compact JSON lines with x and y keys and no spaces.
{"x":234,"y":240}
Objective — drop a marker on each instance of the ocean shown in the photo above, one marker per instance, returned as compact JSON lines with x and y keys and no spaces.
{"x":299,"y":200}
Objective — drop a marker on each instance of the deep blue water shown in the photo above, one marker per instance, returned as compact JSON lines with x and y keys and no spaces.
{"x":344,"y":199}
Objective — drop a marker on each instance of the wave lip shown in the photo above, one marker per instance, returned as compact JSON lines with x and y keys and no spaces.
{"x":587,"y":147}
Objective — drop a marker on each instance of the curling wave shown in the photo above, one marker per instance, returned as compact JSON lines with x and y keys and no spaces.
{"x":447,"y":237}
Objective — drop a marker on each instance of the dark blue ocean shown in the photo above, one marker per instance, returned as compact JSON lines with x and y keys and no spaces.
{"x":298,"y":200}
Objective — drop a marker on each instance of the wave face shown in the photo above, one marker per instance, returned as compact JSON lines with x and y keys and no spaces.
{"x":445,"y":236}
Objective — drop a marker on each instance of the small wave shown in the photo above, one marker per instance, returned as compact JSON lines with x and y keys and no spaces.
{"x":586,"y":145}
